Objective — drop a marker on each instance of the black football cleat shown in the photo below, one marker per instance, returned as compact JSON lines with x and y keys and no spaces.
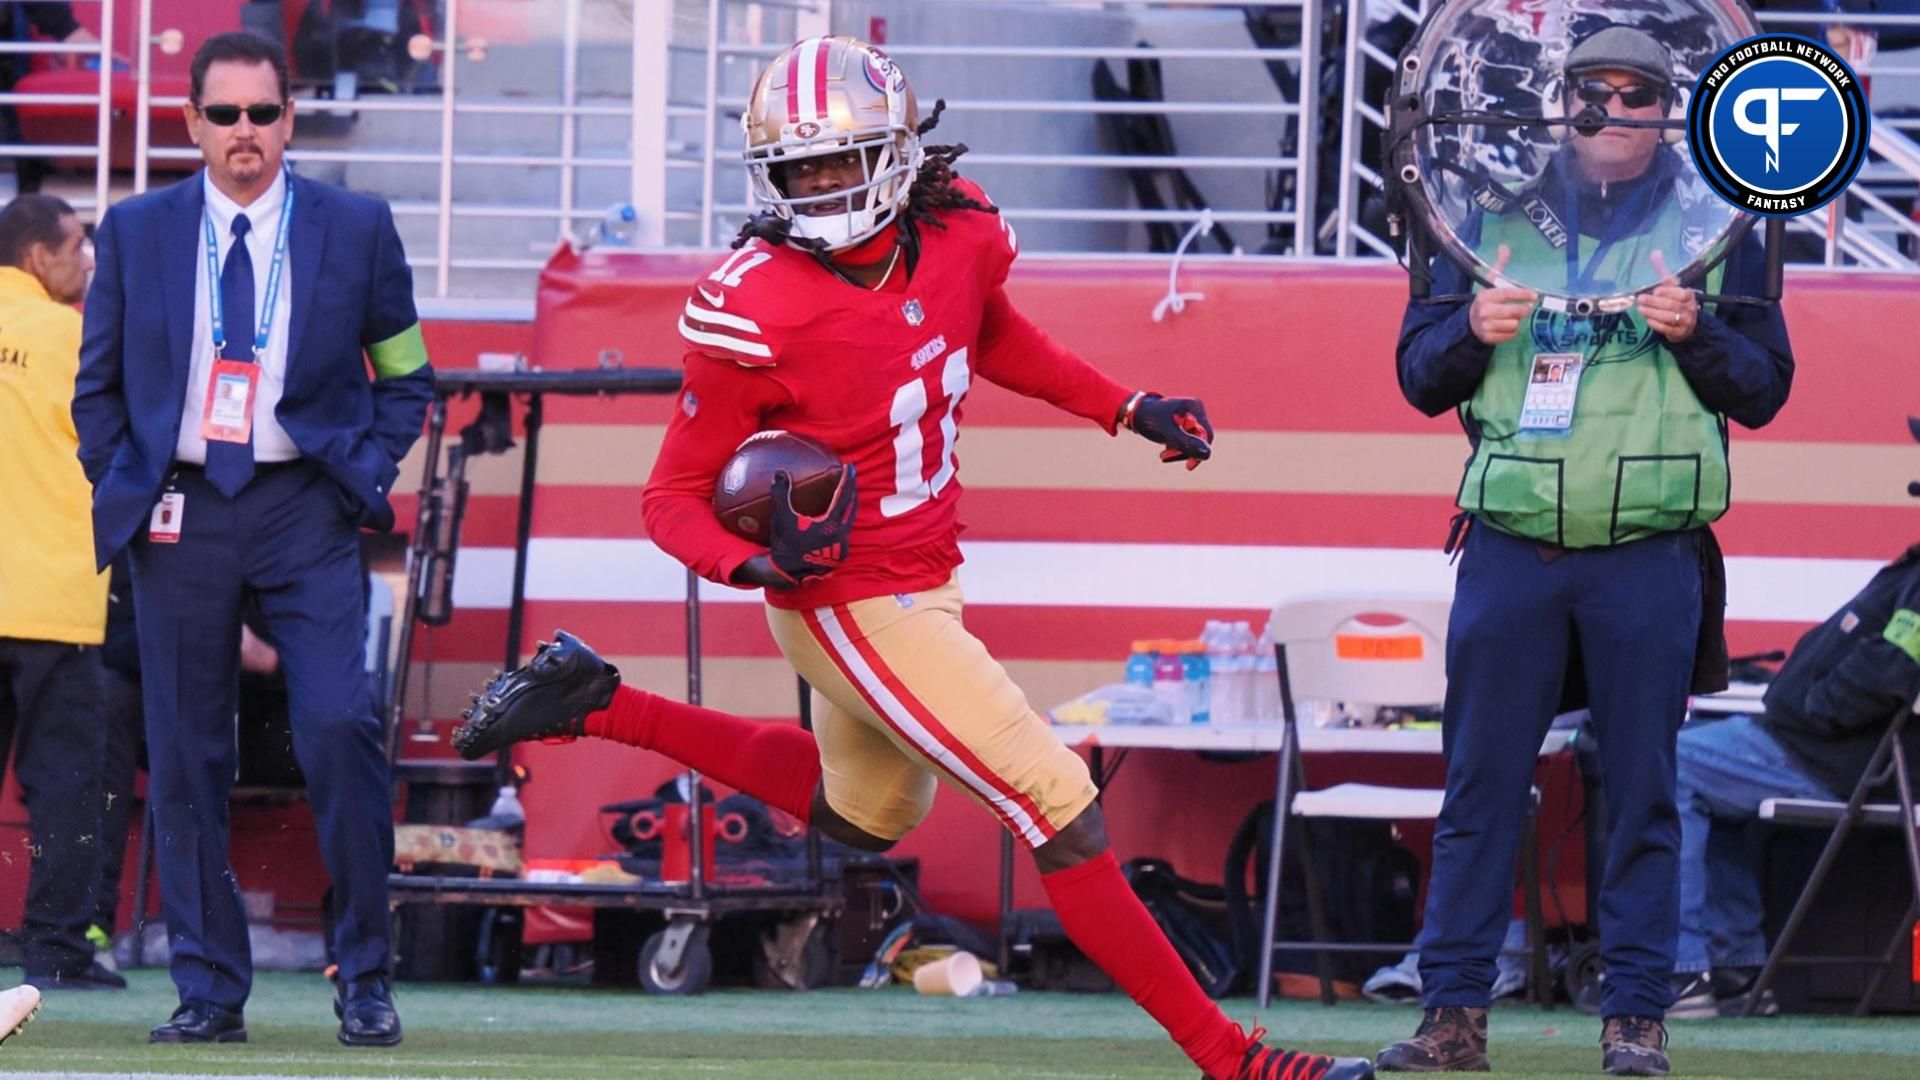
{"x":548,"y":697}
{"x":1263,"y":1062}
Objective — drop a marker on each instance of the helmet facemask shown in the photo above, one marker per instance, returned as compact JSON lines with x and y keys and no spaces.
{"x":824,"y":97}
{"x":888,"y":163}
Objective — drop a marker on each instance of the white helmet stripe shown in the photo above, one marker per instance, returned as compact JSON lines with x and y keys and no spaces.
{"x":807,"y":94}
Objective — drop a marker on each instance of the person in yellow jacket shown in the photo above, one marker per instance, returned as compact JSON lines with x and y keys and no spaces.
{"x":53,"y":605}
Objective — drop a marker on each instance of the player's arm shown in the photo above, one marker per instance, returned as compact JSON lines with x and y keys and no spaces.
{"x":1018,"y":355}
{"x":721,"y":404}
{"x":1738,"y":359}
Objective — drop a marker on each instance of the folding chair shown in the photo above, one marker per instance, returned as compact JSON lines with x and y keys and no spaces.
{"x":1385,"y":650}
{"x":1889,"y":764}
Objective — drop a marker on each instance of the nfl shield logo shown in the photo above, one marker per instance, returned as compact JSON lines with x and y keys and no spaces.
{"x":915,"y":316}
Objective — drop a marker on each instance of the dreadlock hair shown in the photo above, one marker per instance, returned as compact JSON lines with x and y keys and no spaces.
{"x":933,"y":185}
{"x":932,"y":190}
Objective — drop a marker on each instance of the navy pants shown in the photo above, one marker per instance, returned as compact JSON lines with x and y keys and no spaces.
{"x":289,"y":541}
{"x":1633,"y":610}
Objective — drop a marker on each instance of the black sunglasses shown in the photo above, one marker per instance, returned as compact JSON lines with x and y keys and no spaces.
{"x":1598,"y":91}
{"x":229,"y":115}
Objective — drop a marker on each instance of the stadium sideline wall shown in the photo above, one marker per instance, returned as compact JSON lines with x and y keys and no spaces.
{"x":1079,"y":544}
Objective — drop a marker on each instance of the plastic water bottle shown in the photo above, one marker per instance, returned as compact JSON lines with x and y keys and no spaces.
{"x":1193,"y":662}
{"x":1231,"y":670}
{"x":1245,"y":649}
{"x":1170,"y":681}
{"x":1140,"y":665}
{"x":1223,"y":680}
{"x":619,"y":226}
{"x":507,"y":808}
{"x":1266,"y":680}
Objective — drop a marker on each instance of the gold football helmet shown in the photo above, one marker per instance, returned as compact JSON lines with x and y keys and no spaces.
{"x":829,"y":95}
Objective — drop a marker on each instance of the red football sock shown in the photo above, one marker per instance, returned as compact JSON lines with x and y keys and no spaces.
{"x":1108,"y":923}
{"x":775,"y":763}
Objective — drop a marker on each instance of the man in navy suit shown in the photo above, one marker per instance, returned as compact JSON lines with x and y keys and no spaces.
{"x":236,"y":446}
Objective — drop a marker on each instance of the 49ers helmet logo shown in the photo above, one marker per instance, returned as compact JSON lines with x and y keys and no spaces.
{"x":881,"y":70}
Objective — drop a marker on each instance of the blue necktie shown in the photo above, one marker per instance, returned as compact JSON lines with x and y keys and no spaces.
{"x":230,"y":464}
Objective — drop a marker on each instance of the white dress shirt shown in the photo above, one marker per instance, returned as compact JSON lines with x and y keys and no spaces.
{"x":270,"y":440}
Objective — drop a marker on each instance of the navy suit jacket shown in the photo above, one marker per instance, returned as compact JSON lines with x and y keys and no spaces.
{"x":352,"y":294}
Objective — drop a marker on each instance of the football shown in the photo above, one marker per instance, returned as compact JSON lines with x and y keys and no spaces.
{"x":743,"y":492}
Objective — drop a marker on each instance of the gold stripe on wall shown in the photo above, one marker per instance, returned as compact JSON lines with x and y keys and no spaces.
{"x":1250,"y":462}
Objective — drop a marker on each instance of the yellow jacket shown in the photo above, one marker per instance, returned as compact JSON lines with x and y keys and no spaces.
{"x":48,"y":588}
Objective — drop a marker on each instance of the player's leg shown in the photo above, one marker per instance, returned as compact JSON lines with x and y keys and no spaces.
{"x":567,"y":691}
{"x":872,"y":792}
{"x":910,"y":668}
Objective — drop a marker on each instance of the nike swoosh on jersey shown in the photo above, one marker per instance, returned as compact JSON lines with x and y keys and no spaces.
{"x":718,"y":300}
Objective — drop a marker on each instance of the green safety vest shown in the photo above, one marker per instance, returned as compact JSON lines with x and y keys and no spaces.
{"x":1643,"y":455}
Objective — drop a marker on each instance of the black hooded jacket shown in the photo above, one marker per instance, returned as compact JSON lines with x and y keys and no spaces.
{"x":1849,"y":676}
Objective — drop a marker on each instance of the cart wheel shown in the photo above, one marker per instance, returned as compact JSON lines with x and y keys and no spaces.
{"x":690,"y":977}
{"x":1585,"y":977}
{"x":779,"y":966}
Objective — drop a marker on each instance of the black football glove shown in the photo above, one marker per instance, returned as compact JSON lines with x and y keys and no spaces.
{"x":800,"y":546}
{"x":1179,"y":424}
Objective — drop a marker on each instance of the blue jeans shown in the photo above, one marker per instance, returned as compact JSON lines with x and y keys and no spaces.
{"x":1727,"y":768}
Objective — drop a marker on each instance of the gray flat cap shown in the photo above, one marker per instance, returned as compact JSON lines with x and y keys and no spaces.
{"x":1622,"y":48}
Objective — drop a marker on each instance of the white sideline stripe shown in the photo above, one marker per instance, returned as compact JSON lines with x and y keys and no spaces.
{"x":1095,"y":575}
{"x":720,"y":318}
{"x":723,"y":341}
{"x":909,"y":725}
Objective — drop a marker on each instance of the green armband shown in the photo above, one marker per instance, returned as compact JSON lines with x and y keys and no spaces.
{"x":402,"y":354}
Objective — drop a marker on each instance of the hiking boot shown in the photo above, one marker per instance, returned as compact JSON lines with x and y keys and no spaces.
{"x":548,"y":697}
{"x":1693,"y":997}
{"x":1263,"y":1062}
{"x":1453,"y":1039}
{"x":1634,"y":1046}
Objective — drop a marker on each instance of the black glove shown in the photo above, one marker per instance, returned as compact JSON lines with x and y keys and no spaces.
{"x":802,"y":547}
{"x":1179,"y":424}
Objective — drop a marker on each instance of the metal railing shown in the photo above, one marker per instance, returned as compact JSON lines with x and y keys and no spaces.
{"x":102,"y":53}
{"x":1288,"y":151}
{"x":1863,"y":229}
{"x":1287,"y":111}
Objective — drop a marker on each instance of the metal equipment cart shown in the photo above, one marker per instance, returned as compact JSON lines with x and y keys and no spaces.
{"x":677,"y":959}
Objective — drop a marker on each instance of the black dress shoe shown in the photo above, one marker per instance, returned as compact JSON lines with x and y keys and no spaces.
{"x":199,"y":1022}
{"x":91,"y":977}
{"x":367,"y":1016}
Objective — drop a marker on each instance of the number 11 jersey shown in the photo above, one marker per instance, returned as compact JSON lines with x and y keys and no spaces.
{"x":880,"y":376}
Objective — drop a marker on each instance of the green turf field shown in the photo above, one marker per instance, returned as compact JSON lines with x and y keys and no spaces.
{"x":464,"y":1031}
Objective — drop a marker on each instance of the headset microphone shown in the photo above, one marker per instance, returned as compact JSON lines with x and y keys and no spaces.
{"x":1590,"y":121}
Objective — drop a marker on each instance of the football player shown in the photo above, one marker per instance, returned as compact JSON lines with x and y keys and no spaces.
{"x":858,"y":310}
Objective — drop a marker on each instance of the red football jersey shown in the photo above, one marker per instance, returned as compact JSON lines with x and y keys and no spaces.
{"x":776,"y":341}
